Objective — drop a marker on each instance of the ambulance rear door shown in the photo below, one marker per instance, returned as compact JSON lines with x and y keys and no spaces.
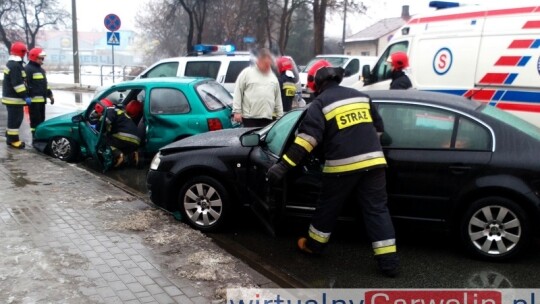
{"x":445,"y":53}
{"x":508,"y":72}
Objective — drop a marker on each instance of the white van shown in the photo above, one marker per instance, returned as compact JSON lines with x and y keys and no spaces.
{"x":223,"y":68}
{"x":490,"y":53}
{"x":352,"y":65}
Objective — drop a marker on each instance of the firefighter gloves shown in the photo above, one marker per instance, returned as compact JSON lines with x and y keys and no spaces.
{"x":28,"y":101}
{"x":277,"y":172}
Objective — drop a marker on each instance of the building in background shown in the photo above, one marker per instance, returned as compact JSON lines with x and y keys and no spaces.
{"x":372,"y":40}
{"x":93,"y":49}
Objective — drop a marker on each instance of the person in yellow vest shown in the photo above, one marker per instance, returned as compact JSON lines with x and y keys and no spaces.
{"x":14,"y":94}
{"x":38,"y":88}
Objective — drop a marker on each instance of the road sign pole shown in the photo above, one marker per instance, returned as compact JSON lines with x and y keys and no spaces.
{"x":113,"y":62}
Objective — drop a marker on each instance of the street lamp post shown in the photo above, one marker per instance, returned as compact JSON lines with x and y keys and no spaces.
{"x":344,"y":25}
{"x":75,"y":40}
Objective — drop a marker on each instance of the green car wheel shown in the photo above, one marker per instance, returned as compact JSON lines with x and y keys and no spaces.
{"x":64,"y":148}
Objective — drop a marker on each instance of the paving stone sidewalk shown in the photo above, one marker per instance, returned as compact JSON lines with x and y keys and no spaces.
{"x":68,"y":236}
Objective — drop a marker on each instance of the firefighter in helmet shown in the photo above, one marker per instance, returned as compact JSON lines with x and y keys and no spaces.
{"x":121,"y":132}
{"x":38,"y":88}
{"x":15,"y":94}
{"x":286,"y":82}
{"x":343,"y":123}
{"x":400,"y":80}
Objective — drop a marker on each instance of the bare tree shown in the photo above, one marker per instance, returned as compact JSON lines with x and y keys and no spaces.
{"x":164,"y":36}
{"x":288,"y":8}
{"x":23,"y":19}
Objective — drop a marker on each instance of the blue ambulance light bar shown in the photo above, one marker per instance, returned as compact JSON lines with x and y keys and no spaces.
{"x":443,"y":4}
{"x":214,"y":49}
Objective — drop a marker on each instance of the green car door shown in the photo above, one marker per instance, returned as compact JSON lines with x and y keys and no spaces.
{"x":93,"y":137}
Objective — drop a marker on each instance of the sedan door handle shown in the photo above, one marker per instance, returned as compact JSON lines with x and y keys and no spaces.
{"x":459,"y":169}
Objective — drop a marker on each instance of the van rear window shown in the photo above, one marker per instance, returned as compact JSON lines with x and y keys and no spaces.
{"x":207,"y":69}
{"x":235,"y":67}
{"x":214,"y":96}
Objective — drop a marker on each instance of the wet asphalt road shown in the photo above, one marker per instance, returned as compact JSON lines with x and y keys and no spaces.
{"x":430,"y":259}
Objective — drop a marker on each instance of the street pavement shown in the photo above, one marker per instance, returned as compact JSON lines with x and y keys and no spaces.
{"x":69,"y":236}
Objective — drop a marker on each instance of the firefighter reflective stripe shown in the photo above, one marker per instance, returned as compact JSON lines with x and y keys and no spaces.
{"x":38,"y":76}
{"x":23,"y":73}
{"x":384,"y":247}
{"x":289,"y":161}
{"x":331,"y":110}
{"x":310,"y":139}
{"x":353,"y":117}
{"x":127,"y":137}
{"x":12,"y":131}
{"x":357,"y":162}
{"x":319,"y":236}
{"x":38,"y":99}
{"x":13,"y":101}
{"x":289,"y":88}
{"x":303,"y":143}
{"x":6,"y":70}
{"x":20,"y":88}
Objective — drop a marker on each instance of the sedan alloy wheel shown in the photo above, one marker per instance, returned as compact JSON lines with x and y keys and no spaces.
{"x":203,"y":201}
{"x":63,"y":148}
{"x":495,"y":228}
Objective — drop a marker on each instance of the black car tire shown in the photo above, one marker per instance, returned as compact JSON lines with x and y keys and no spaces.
{"x":495,"y":228}
{"x":204,"y":203}
{"x":64,"y":148}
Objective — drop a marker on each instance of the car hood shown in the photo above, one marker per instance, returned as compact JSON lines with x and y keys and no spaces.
{"x":213,"y":139}
{"x":59,"y":120}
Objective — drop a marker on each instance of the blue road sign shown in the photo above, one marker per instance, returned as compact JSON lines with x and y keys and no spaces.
{"x":248,"y":39}
{"x":112,"y":22}
{"x":113,"y":38}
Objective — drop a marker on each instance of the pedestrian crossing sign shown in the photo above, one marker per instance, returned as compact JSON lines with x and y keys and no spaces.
{"x":113,"y":38}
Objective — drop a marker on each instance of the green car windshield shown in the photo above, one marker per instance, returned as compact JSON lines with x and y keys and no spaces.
{"x":276,"y":134}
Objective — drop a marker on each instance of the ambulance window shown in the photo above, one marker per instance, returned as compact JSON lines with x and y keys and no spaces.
{"x":382,"y":69}
{"x":417,"y":127}
{"x":208,"y":69}
{"x":352,"y":68}
{"x":472,"y":136}
{"x":167,"y":69}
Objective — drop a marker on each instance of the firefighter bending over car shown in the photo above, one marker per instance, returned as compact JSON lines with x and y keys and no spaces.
{"x":346,"y":126}
{"x":121,"y":132}
{"x":15,"y":94}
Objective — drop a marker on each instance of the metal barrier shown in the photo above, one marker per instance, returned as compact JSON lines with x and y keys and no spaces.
{"x":125,"y":72}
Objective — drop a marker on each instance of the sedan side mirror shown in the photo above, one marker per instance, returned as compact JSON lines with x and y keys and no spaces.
{"x":250,"y":140}
{"x":77,"y":118}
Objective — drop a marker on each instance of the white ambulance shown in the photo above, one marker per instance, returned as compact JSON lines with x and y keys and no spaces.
{"x":490,"y":53}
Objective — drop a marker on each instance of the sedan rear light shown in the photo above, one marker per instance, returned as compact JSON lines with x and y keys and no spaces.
{"x":214,"y":124}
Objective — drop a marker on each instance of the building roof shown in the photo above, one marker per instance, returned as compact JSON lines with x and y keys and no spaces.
{"x":377,"y":30}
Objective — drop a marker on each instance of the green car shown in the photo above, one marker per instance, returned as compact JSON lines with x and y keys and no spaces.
{"x":173,"y":108}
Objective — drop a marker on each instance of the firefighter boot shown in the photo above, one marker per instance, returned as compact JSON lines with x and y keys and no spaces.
{"x":309,"y":246}
{"x":134,"y":159}
{"x":16,"y":144}
{"x":388,"y":264}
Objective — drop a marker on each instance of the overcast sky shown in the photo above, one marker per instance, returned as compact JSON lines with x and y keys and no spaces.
{"x":91,"y":13}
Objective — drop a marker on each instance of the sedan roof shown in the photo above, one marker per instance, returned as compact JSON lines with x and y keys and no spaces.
{"x":440,"y":99}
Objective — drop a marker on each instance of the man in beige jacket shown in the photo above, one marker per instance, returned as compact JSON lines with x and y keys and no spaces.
{"x":257,"y":96}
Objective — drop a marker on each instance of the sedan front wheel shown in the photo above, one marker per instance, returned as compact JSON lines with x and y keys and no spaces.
{"x":203,"y":203}
{"x":495,"y":228}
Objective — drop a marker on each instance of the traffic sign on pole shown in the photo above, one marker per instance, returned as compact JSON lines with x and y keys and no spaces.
{"x":113,"y":38}
{"x":112,"y":22}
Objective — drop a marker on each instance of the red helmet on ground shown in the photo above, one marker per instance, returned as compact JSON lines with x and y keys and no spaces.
{"x":399,"y":60}
{"x":36,"y":53}
{"x":284,"y":64}
{"x":18,"y":49}
{"x":106,"y":104}
{"x":311,"y":83}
